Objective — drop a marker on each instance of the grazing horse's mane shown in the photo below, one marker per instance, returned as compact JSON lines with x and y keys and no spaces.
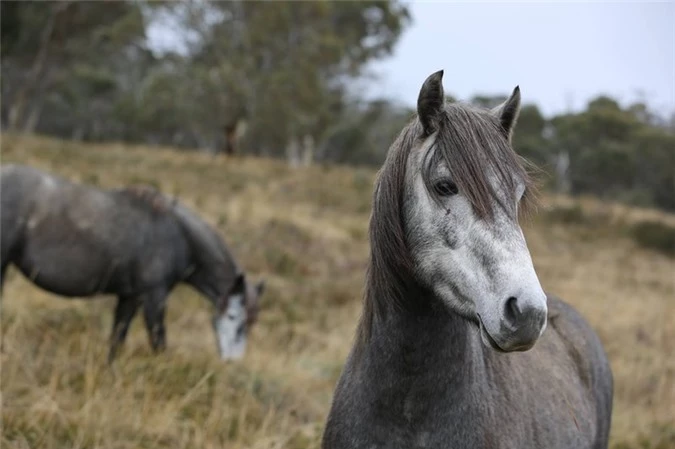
{"x":149,"y":197}
{"x":470,"y":141}
{"x":204,"y":238}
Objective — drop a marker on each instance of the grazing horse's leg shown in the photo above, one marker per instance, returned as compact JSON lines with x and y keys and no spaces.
{"x":124,"y":312}
{"x":154,"y":306}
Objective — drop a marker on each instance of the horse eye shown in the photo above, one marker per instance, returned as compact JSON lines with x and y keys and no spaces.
{"x":522,"y":195}
{"x":446,"y":188}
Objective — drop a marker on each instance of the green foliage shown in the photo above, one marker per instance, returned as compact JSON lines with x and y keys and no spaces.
{"x":655,"y":235}
{"x":364,"y":133}
{"x":60,"y":63}
{"x":528,"y":139}
{"x":281,"y":67}
{"x":9,"y":26}
{"x":614,"y":152}
{"x":654,"y":169}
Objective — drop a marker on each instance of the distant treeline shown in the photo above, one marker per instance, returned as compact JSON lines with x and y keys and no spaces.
{"x":272,"y":79}
{"x":261,"y":77}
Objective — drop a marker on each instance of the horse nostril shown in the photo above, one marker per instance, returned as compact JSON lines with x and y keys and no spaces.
{"x":512,"y":311}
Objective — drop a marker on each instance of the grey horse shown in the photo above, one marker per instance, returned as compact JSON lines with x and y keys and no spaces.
{"x":76,"y":240}
{"x":458,"y":346}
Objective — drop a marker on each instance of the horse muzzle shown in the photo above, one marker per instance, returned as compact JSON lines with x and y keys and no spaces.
{"x":517,"y":328}
{"x":231,"y":338}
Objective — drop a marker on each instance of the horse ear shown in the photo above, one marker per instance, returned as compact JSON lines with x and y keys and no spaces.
{"x":239,"y":284}
{"x":508,"y":112}
{"x":430,"y":102}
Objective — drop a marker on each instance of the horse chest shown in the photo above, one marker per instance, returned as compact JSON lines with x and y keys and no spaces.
{"x":420,"y":419}
{"x":420,"y":426}
{"x":439,"y":408}
{"x":427,"y":409}
{"x":441,"y":413}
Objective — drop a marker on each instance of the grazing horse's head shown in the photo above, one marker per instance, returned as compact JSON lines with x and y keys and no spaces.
{"x":217,"y":275}
{"x":459,"y":204}
{"x":235,"y":316}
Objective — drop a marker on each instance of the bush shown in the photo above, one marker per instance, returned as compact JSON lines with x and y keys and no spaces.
{"x":655,"y":235}
{"x":573,"y":214}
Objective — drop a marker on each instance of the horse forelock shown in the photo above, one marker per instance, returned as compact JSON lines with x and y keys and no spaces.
{"x":472,"y":145}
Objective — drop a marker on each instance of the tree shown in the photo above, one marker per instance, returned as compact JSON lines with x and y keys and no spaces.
{"x":46,"y":41}
{"x":273,"y":78}
{"x":617,"y":153}
{"x":284,"y":66}
{"x":529,"y":140}
{"x":364,"y":132}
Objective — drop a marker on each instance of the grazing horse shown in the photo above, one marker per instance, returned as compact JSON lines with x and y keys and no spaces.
{"x":458,"y":346}
{"x":134,"y":242}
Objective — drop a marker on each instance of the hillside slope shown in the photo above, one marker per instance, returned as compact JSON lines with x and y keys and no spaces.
{"x":305,"y":232}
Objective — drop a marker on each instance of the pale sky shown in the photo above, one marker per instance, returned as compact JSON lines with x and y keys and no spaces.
{"x":560,"y":53}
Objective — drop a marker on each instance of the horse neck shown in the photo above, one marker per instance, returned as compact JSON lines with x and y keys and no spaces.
{"x":415,"y":339}
{"x":213,"y":268}
{"x":213,"y":277}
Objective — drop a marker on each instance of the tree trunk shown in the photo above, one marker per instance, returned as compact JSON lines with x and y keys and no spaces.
{"x":562,"y":165}
{"x":308,"y":150}
{"x":33,"y":118}
{"x":230,"y":135}
{"x":78,"y":133}
{"x":18,"y":108}
{"x":293,"y":152}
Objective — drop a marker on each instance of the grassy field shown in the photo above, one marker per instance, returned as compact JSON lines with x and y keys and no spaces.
{"x":304,"y":231}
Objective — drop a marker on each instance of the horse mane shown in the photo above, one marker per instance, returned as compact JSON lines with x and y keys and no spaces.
{"x":209,"y":245}
{"x":149,"y":197}
{"x":469,"y":140}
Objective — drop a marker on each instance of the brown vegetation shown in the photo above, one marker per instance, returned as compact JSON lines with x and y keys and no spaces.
{"x":304,"y":230}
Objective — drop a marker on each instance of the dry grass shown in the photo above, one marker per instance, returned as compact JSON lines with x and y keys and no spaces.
{"x":304,"y":230}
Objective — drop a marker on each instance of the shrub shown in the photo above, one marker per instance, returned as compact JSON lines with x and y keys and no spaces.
{"x":655,"y":235}
{"x":567,"y":214}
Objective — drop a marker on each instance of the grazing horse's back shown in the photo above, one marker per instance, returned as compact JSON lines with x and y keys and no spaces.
{"x":77,"y":240}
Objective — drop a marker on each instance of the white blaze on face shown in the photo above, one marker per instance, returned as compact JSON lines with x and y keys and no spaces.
{"x":230,"y":329}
